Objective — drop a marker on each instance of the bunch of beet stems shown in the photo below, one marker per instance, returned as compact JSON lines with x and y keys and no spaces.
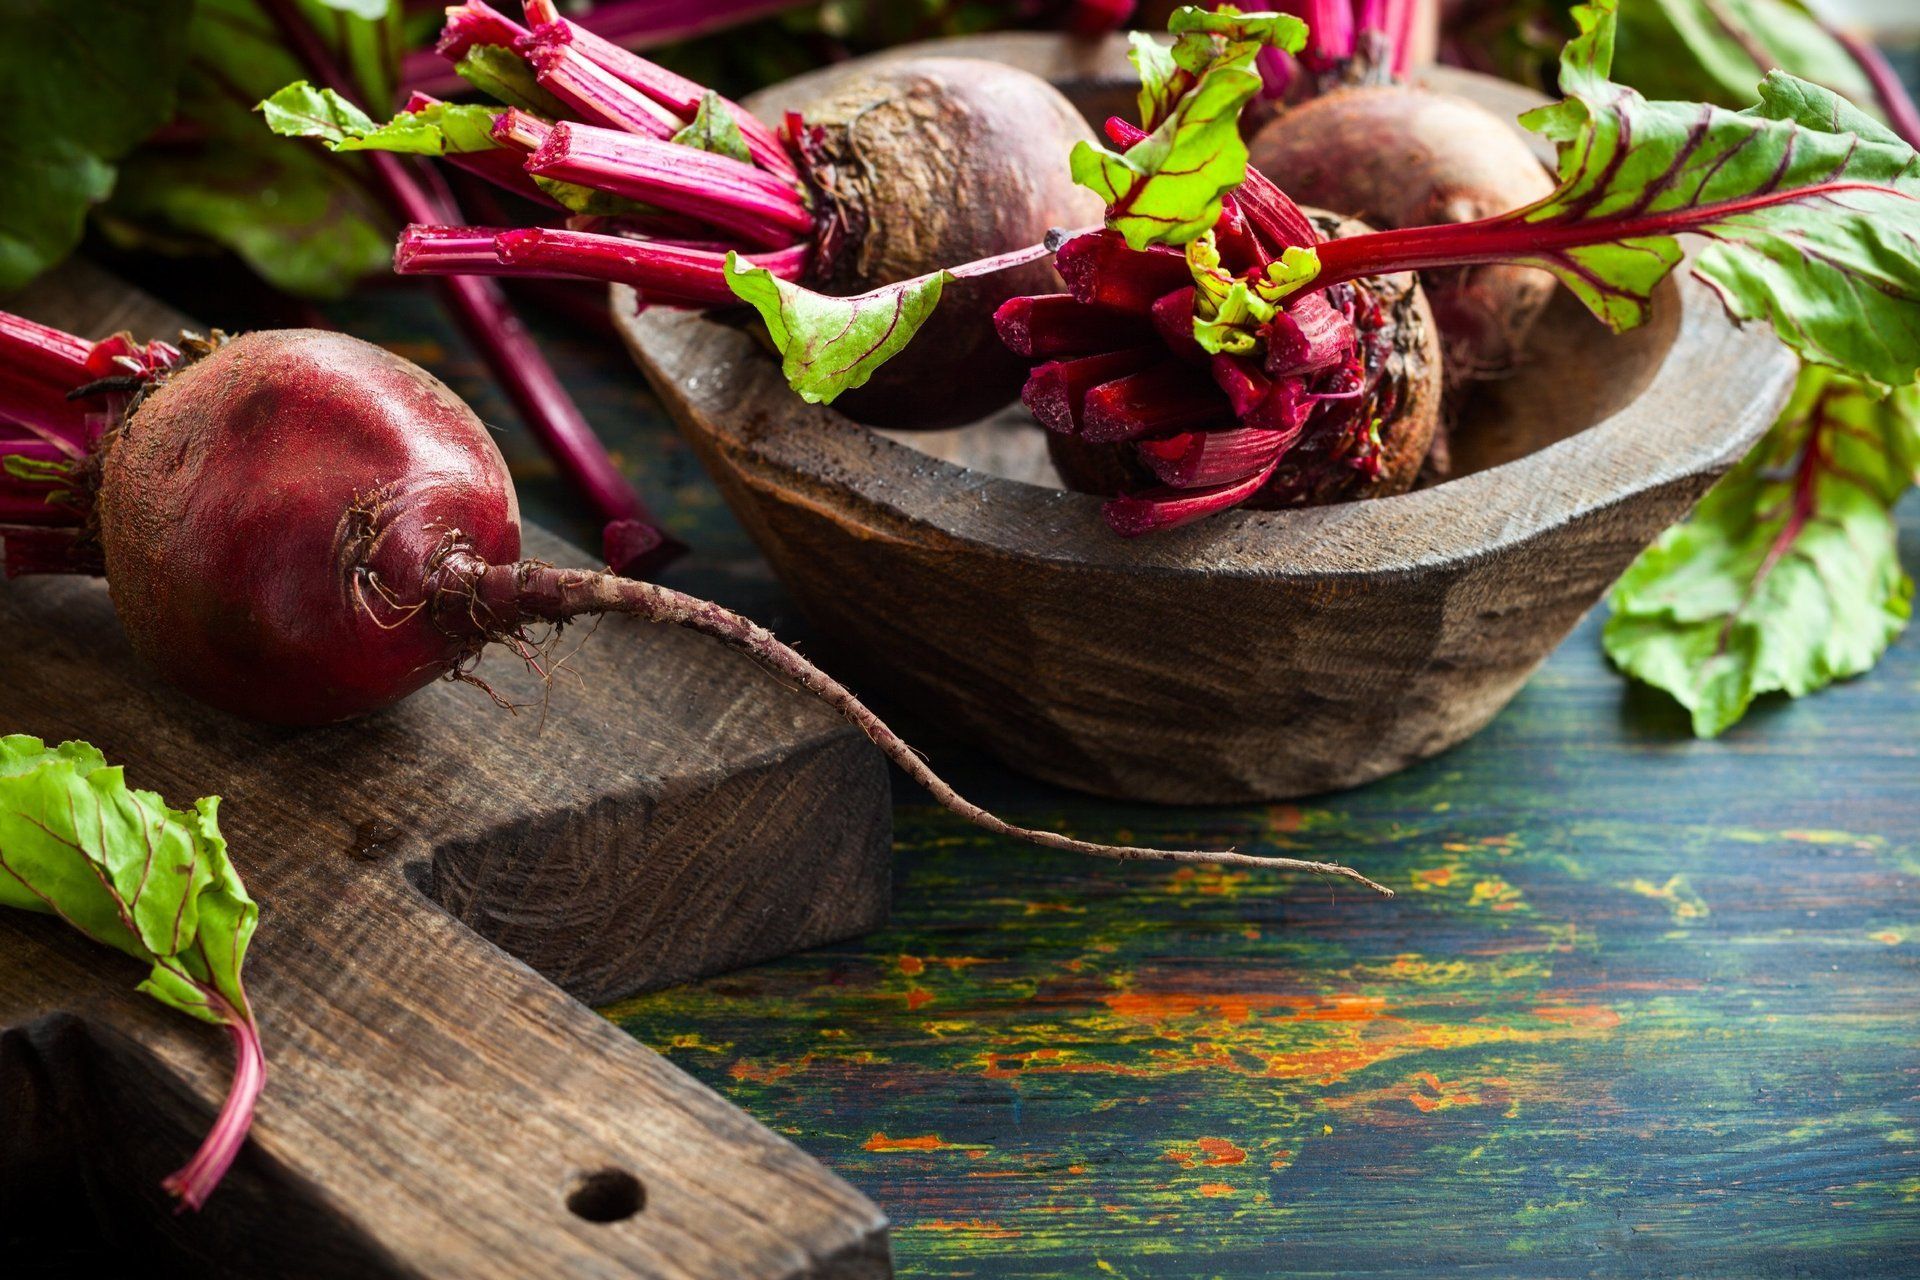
{"x":634,"y":541}
{"x":701,"y":205}
{"x":46,"y":437}
{"x":1121,"y":366}
{"x":1368,"y":39}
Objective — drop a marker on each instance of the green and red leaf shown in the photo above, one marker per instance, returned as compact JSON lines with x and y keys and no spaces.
{"x":1787,"y":577}
{"x":1166,"y":188}
{"x":829,"y":345}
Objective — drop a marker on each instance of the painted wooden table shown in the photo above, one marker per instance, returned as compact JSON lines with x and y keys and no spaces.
{"x":1646,"y":1006}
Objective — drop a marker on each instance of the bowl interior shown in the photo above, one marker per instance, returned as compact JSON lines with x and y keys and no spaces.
{"x":1575,"y":375}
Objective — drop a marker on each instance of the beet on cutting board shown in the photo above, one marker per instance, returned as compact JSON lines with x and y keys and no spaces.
{"x":435,"y":1107}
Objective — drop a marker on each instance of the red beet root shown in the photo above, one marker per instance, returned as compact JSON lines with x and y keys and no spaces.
{"x":300,"y":527}
{"x":1399,"y":157}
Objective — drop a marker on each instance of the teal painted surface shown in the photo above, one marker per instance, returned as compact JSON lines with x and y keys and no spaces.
{"x":1645,"y":1006}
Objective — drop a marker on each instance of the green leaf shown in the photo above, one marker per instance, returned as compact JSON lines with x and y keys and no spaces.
{"x":127,"y":871}
{"x":1812,"y":206}
{"x":1230,"y":310}
{"x":300,"y":218}
{"x":504,"y":75}
{"x":367,"y":10}
{"x":445,"y":128}
{"x":290,"y":215}
{"x":714,"y":129}
{"x":1162,"y":80}
{"x":81,"y":82}
{"x":1204,"y":36}
{"x":1714,"y":50}
{"x":1166,"y":188}
{"x":830,"y":345}
{"x":1787,"y":577}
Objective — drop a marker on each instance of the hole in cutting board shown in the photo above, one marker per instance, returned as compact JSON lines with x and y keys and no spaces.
{"x":607,"y":1195}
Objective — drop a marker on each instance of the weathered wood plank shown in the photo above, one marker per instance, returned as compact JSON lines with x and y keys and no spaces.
{"x":434,"y":1107}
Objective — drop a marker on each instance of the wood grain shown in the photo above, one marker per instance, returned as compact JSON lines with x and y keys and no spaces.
{"x":1254,"y":655}
{"x":434,"y":1107}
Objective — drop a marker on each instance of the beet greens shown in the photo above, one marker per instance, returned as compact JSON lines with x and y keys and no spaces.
{"x":130,"y":873}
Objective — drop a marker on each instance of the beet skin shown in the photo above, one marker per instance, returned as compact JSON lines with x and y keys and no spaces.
{"x":271,"y":514}
{"x":933,"y":162}
{"x":1400,"y":157}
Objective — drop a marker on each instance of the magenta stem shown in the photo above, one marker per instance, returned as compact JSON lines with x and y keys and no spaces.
{"x":675,"y":92}
{"x":28,"y":509}
{"x":1007,"y":261}
{"x":500,"y":165}
{"x":1897,"y":104}
{"x":1399,"y":30}
{"x":1508,"y":238}
{"x":471,"y":24}
{"x":1330,"y":32}
{"x":482,"y":313}
{"x":41,"y":353}
{"x":599,"y":95}
{"x":439,"y":250}
{"x":661,"y":272}
{"x":733,"y":197}
{"x":43,"y":410}
{"x":196,"y":1179}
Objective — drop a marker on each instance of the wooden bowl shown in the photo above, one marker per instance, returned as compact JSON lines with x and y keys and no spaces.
{"x":1256,"y":655}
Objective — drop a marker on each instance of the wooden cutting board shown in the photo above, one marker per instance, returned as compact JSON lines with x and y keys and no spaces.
{"x":435,"y":1107}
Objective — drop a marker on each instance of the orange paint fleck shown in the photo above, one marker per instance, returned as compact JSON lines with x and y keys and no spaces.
{"x":1220,"y":1151}
{"x":881,"y":1142}
{"x":918,"y":997}
{"x":1436,"y":876}
{"x":1211,"y":1152}
{"x":1345,"y":1009}
{"x":1150,"y":1006}
{"x":1281,"y":1159}
{"x":1214,"y":1190}
{"x":1285,"y":817}
{"x":1579,"y":1015}
{"x":1888,"y":936}
{"x":1076,"y":1168}
{"x":746,"y":1069}
{"x":973,"y":1227}
{"x":912,"y":966}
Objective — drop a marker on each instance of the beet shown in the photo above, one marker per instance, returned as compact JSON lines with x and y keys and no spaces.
{"x":931,"y":162}
{"x":300,"y":527}
{"x":1401,"y":157}
{"x":913,"y":167}
{"x":267,"y":515}
{"x":1296,"y":428}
